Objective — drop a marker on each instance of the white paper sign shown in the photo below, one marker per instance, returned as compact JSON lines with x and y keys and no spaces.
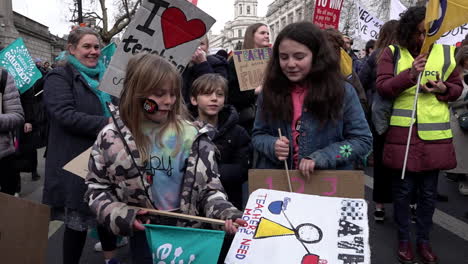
{"x":170,"y":28}
{"x":369,"y":25}
{"x":294,"y":228}
{"x":452,"y":37}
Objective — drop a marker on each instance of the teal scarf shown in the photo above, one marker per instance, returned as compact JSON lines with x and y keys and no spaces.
{"x":90,"y":75}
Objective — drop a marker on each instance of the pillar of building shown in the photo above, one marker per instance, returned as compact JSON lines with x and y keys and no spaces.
{"x":8,"y":32}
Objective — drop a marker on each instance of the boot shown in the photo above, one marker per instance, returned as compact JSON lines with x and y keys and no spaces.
{"x":426,"y":254}
{"x":35,"y":176}
{"x":405,"y":253}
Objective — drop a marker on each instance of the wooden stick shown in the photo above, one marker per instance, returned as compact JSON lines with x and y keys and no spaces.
{"x":184,"y":216}
{"x":286,"y":167}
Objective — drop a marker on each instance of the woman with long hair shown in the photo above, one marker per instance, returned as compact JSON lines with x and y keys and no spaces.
{"x":256,"y":36}
{"x":152,"y":157}
{"x":306,"y":97}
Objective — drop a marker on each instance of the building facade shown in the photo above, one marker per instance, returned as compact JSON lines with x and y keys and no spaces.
{"x":37,"y":38}
{"x":232,"y":36}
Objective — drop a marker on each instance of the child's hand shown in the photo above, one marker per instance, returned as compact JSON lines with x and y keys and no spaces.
{"x":138,"y":224}
{"x":306,"y":166}
{"x":282,"y":148}
{"x":229,"y":226}
{"x":199,"y":56}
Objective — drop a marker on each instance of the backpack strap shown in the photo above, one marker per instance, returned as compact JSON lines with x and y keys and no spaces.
{"x":3,"y":80}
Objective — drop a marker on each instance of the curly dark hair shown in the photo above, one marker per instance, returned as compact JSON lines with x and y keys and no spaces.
{"x":324,"y":83}
{"x":408,"y":25}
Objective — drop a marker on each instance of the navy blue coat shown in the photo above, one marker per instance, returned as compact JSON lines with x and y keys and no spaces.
{"x":75,"y":116}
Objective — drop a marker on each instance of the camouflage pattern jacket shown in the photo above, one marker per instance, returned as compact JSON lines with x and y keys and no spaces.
{"x":116,"y":180}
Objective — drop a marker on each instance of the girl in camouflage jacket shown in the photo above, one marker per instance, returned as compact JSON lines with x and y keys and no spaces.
{"x":172,"y":165}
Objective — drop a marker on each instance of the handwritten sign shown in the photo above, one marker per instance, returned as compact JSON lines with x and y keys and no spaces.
{"x":368,"y":25}
{"x":170,"y":29}
{"x":336,"y":183}
{"x":250,"y":66}
{"x":327,"y":13}
{"x":286,"y":227}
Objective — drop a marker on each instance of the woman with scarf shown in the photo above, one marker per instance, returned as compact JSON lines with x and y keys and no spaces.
{"x":76,"y":111}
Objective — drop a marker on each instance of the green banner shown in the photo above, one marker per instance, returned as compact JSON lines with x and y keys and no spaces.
{"x":170,"y":244}
{"x":19,"y":64}
{"x":107,"y":52}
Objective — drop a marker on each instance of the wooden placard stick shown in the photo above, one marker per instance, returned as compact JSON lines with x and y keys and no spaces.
{"x":185,"y":216}
{"x":286,"y":167}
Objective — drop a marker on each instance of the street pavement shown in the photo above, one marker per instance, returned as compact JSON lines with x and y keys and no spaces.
{"x":449,"y":237}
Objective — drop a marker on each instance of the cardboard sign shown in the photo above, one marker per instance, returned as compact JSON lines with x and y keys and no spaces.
{"x":335,"y":183}
{"x":23,"y":230}
{"x":79,"y":165}
{"x":171,"y":29}
{"x":250,"y":66}
{"x":368,"y":25}
{"x":16,"y":60}
{"x":296,"y":228}
{"x":327,"y":13}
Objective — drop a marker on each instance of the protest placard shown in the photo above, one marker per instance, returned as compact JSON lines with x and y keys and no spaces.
{"x":336,"y":183}
{"x":19,"y":64}
{"x":23,"y":230}
{"x":294,"y":228}
{"x":327,"y":13}
{"x":171,"y":29}
{"x":79,"y":165}
{"x":368,"y":25}
{"x":250,"y":66}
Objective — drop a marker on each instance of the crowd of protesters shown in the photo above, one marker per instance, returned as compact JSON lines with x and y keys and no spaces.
{"x":308,"y":109}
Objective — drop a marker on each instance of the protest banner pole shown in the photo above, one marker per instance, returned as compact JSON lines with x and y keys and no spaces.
{"x":411,"y":126}
{"x":286,"y":166}
{"x":185,"y":216}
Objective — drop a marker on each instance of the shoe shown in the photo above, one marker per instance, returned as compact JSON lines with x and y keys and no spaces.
{"x":112,"y":261}
{"x":35,"y":176}
{"x":405,"y":253}
{"x":442,"y":197}
{"x":413,"y":213}
{"x":426,"y":254}
{"x":17,"y":195}
{"x":123,"y":241}
{"x":463,"y":188}
{"x":455,"y":177}
{"x":379,"y":214}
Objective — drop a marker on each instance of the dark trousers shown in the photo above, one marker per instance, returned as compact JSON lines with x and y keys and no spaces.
{"x":9,"y":177}
{"x":425,"y":183}
{"x":382,"y":191}
{"x":139,"y":248}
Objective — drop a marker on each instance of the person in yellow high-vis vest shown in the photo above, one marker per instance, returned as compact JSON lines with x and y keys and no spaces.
{"x":431,"y":148}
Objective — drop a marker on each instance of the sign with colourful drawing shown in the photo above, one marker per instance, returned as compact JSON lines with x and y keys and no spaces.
{"x":16,"y":60}
{"x":250,"y":66}
{"x":168,"y":28}
{"x":296,"y":228}
{"x":170,"y":244}
{"x":334,"y":183}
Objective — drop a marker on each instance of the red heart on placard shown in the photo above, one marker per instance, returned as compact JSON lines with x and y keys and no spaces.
{"x":177,"y":30}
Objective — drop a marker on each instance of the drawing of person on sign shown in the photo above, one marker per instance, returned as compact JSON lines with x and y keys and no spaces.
{"x":170,"y":29}
{"x":305,"y":233}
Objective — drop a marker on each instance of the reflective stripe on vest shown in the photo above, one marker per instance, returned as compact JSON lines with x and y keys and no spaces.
{"x":432,"y":115}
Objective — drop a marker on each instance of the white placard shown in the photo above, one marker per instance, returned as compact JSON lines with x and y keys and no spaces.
{"x":170,"y":28}
{"x":369,"y":25}
{"x":286,"y":227}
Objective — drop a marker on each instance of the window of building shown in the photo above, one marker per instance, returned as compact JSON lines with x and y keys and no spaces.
{"x":299,"y":15}
{"x":248,"y":10}
{"x":240,"y":9}
{"x":290,"y":18}
{"x":239,"y":33}
{"x":283,"y":22}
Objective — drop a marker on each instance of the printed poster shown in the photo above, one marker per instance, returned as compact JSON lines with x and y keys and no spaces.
{"x":18,"y":62}
{"x":327,"y":13}
{"x":297,"y":228}
{"x":170,"y":29}
{"x":250,"y":66}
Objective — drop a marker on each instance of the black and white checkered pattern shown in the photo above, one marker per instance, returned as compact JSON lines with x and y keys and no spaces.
{"x":352,"y":210}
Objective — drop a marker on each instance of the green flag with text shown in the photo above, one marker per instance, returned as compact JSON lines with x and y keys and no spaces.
{"x":19,"y":64}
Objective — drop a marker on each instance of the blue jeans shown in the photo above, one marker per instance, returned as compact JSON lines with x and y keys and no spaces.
{"x":425,"y":185}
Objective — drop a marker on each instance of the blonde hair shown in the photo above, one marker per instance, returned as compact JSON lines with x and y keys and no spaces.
{"x":147,"y":73}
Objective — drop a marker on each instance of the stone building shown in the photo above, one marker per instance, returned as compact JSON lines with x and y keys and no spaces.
{"x":245,"y":14}
{"x":39,"y":41}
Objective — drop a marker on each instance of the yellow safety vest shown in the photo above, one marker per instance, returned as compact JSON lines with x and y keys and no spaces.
{"x":432,"y":115}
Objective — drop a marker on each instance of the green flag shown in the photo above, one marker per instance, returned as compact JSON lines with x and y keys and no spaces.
{"x":170,"y":244}
{"x":107,"y":52}
{"x":19,"y":64}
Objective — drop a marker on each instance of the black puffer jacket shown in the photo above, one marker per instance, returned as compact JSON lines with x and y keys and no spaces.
{"x":235,"y":148}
